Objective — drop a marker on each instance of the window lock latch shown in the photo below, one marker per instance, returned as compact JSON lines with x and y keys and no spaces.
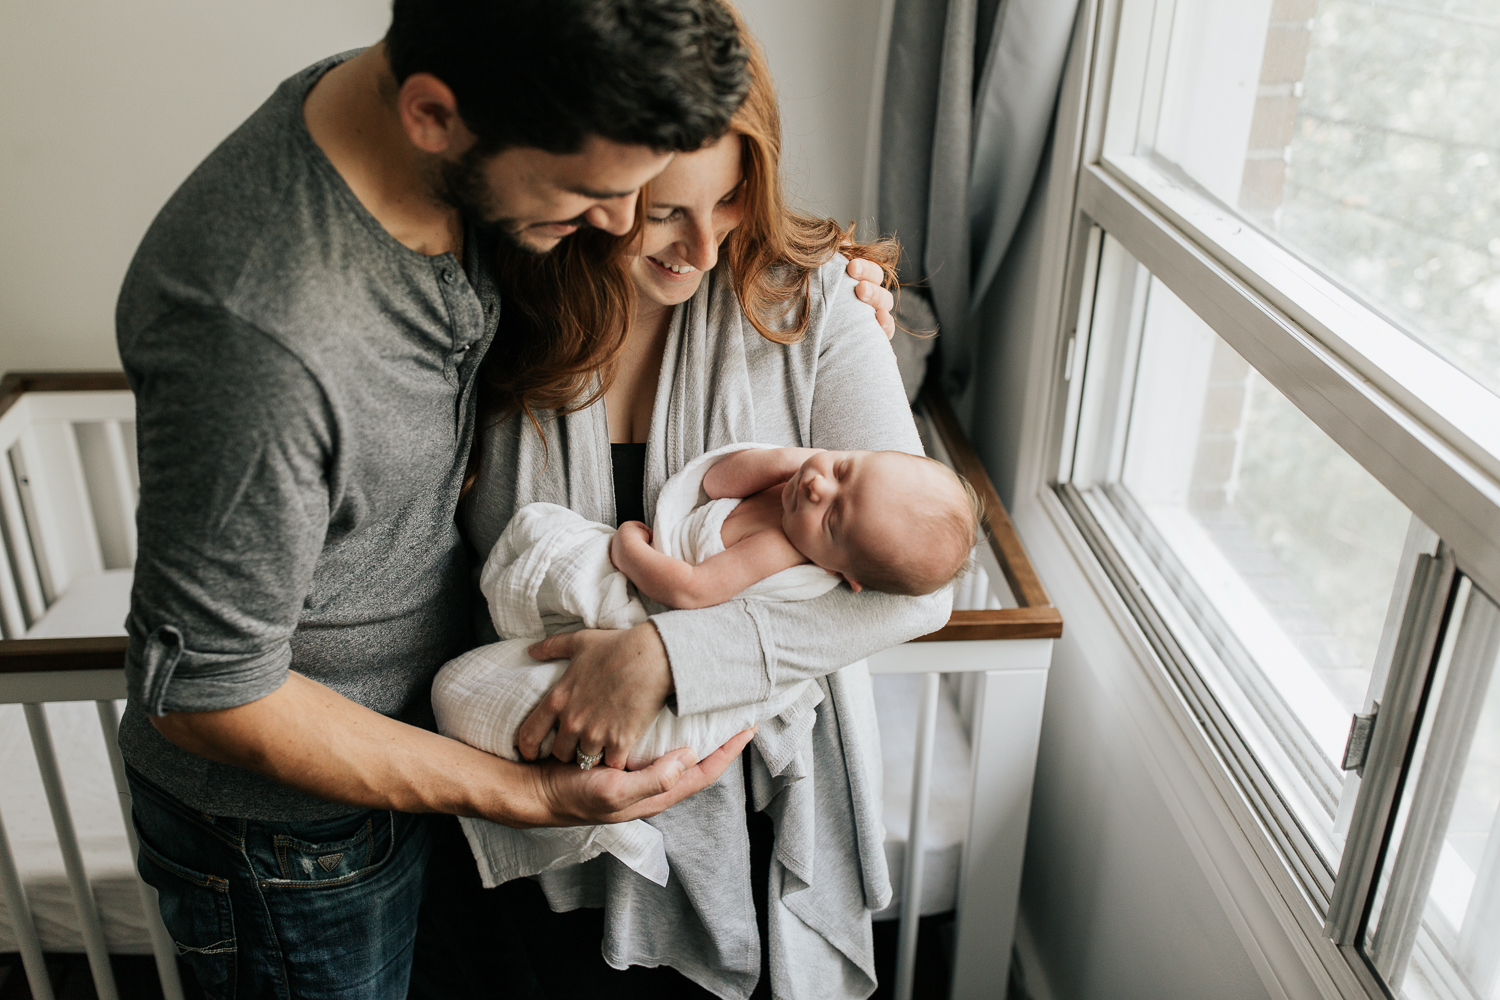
{"x":1357,"y":748}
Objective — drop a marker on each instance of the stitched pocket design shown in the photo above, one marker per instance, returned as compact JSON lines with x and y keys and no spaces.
{"x":330,"y":861}
{"x":196,"y":910}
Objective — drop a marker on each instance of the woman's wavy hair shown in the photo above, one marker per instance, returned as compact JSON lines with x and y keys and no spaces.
{"x":566,"y":314}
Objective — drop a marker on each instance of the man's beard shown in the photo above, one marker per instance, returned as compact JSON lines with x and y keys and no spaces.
{"x":461,"y":184}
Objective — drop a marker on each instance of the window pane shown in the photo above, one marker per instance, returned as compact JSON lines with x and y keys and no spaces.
{"x":1363,"y":135}
{"x":1435,"y":931}
{"x":1282,"y":548}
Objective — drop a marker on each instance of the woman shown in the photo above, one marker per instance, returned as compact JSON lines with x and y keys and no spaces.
{"x":743,"y":327}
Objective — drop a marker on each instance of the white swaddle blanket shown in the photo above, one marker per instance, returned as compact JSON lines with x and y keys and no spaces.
{"x":550,"y":572}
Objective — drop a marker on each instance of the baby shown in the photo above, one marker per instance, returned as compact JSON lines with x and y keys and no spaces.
{"x":885,"y":520}
{"x":882,"y":520}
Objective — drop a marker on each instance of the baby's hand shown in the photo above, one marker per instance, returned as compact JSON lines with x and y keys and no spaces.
{"x":629,"y":533}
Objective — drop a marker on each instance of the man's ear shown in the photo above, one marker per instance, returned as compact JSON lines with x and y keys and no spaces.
{"x":429,"y":114}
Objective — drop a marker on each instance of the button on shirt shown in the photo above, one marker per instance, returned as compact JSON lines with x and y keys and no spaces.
{"x":305,"y":391}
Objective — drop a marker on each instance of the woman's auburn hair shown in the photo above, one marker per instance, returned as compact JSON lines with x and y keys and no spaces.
{"x":567,"y":314}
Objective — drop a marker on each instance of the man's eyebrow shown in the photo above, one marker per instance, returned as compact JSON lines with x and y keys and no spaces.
{"x":601,"y":195}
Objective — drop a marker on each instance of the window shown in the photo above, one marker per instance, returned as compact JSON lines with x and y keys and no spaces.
{"x":1282,"y":435}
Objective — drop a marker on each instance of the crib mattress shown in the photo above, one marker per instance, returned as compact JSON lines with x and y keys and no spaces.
{"x":95,"y":605}
{"x":896,"y":702}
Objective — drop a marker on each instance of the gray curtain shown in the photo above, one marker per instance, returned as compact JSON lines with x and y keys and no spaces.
{"x":970,"y":90}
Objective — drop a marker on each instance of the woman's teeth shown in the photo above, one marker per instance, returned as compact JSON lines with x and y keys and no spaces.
{"x":675,"y":268}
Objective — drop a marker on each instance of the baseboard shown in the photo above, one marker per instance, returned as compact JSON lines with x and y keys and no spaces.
{"x":1030,"y":973}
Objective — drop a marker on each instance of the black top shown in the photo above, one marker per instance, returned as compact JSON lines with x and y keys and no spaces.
{"x":629,"y":461}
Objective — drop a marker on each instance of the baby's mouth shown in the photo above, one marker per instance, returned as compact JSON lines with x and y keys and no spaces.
{"x":676,"y":270}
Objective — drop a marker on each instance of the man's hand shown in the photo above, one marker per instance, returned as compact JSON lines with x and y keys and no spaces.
{"x":313,"y":739}
{"x":608,"y":795}
{"x":618,"y":680}
{"x":871,"y":291}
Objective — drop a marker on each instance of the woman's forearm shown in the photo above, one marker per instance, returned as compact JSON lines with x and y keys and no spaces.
{"x":717,"y":653}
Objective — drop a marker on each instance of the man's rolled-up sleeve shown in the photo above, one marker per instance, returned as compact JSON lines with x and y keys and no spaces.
{"x":235,"y":440}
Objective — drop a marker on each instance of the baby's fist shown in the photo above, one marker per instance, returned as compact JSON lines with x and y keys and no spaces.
{"x":629,"y":533}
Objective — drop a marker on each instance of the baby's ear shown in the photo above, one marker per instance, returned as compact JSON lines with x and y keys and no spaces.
{"x":854,"y":585}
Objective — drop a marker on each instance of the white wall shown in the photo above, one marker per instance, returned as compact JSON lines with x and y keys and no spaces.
{"x":823,"y":57}
{"x":108,"y":106}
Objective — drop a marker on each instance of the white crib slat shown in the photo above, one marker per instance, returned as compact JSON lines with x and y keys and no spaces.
{"x":124,"y":482}
{"x":12,"y":621}
{"x":20,"y":540}
{"x":111,"y":496}
{"x":67,"y":842}
{"x":916,"y":831}
{"x":162,"y":945}
{"x":19,"y":910}
{"x":61,"y":515}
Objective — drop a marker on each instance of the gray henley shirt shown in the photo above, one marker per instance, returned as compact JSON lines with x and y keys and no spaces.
{"x":305,"y":393}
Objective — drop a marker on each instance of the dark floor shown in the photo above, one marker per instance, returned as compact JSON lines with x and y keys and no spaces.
{"x":934,"y":958}
{"x":135,"y":975}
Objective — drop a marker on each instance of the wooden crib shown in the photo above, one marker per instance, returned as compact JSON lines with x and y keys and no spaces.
{"x":960,"y":709}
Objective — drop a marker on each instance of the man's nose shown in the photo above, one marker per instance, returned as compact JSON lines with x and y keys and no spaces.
{"x":614,"y":216}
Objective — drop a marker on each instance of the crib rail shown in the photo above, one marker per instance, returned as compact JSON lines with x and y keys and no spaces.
{"x":67,"y":512}
{"x":1034,"y":617}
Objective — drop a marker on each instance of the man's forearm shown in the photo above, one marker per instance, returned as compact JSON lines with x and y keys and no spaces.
{"x":313,"y":739}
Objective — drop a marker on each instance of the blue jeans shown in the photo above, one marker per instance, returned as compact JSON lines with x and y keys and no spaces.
{"x":324,"y":909}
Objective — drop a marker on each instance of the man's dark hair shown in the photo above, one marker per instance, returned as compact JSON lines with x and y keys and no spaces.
{"x":667,"y":74}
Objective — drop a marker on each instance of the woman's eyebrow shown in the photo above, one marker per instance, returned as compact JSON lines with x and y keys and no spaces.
{"x":667,"y":204}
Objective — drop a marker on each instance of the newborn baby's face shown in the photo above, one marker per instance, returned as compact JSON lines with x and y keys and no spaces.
{"x":839,"y":498}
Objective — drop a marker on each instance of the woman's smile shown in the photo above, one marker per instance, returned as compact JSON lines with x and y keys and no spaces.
{"x":678,"y":272}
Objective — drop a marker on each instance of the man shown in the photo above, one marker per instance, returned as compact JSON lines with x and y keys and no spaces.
{"x":302,"y":326}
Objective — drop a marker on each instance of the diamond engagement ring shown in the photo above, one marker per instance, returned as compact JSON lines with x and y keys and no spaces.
{"x":588,"y":760}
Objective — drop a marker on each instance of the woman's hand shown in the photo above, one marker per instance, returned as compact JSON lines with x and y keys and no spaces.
{"x":618,"y":680}
{"x":570,"y":796}
{"x":872,"y":292}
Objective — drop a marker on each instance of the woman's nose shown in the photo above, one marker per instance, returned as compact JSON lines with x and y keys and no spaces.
{"x":701,"y":249}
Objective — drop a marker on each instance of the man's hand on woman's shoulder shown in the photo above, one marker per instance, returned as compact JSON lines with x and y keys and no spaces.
{"x":873,"y":293}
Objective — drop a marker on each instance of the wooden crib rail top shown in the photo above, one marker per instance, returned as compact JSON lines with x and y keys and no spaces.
{"x":13,"y":385}
{"x":1035,"y":618}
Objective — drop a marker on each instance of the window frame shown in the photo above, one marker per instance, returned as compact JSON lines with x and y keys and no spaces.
{"x":1365,"y":383}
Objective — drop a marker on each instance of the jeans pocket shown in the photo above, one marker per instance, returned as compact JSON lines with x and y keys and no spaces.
{"x":196,"y":910}
{"x":334,"y":856}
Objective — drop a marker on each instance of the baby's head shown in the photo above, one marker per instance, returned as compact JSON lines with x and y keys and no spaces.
{"x":885,"y":520}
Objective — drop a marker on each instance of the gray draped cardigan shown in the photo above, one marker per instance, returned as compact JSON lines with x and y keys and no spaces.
{"x":817,"y":776}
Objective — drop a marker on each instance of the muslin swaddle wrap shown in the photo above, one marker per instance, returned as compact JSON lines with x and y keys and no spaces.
{"x":550,"y":572}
